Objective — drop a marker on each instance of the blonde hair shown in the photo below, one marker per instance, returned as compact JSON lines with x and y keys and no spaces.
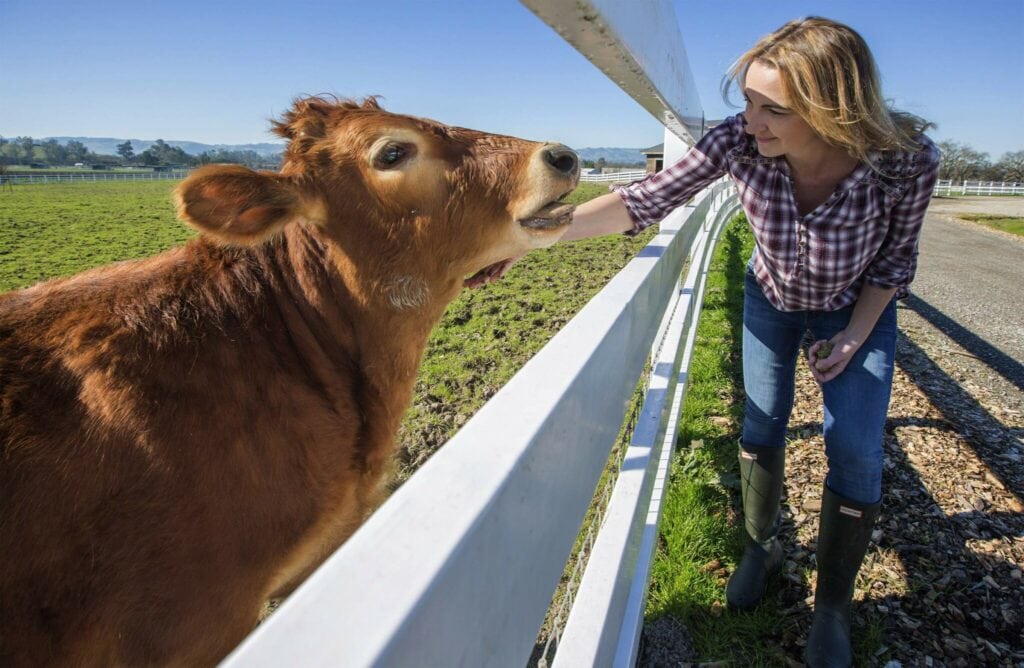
{"x":829,"y":75}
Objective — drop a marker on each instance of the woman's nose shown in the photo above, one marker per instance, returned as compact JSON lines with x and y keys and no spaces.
{"x":754,"y":122}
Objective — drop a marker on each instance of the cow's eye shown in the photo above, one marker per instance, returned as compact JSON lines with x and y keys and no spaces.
{"x":391,"y":156}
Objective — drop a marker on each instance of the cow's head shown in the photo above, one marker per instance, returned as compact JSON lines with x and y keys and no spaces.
{"x":408,"y":202}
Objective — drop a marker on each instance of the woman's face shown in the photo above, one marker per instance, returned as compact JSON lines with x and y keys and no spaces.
{"x":777,"y":128}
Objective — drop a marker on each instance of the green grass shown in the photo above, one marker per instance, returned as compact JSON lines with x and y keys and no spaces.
{"x":23,"y":169}
{"x":486,"y":335}
{"x":54,"y":230}
{"x":1011,"y":224}
{"x":699,"y":525}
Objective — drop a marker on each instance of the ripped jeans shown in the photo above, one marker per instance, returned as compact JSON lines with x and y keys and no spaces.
{"x":856,"y":401}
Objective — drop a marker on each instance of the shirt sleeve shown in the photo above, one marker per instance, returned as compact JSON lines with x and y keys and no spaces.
{"x":895,"y":263}
{"x":653,"y":198}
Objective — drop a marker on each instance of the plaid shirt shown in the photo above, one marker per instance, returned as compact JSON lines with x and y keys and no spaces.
{"x":866,"y":231}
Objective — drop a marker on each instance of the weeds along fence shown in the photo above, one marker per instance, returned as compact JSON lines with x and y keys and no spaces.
{"x":459,"y":566}
{"x":948,"y":187}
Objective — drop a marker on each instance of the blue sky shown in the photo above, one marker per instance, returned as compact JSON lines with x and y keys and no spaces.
{"x":216,"y":72}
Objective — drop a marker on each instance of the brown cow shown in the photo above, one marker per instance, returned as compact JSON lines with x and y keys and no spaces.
{"x":186,"y":436}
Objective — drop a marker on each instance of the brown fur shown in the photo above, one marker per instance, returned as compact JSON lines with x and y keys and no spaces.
{"x":185,"y":436}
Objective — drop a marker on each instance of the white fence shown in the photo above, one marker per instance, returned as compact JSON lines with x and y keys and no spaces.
{"x":460,"y":564}
{"x":19,"y":178}
{"x":617,"y":177}
{"x":947,"y":187}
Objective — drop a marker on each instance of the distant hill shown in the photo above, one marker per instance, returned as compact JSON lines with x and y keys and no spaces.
{"x":619,"y":156}
{"x":108,"y":145}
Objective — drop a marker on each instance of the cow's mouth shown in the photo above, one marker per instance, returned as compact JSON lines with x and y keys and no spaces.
{"x":550,"y":216}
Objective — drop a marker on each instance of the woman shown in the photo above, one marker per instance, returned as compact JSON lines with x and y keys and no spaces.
{"x":835,"y":187}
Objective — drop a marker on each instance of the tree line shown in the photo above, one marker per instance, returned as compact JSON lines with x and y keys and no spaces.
{"x":961,"y":162}
{"x":51,"y":153}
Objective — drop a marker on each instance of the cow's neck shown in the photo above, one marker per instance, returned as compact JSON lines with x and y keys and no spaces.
{"x":345,"y":317}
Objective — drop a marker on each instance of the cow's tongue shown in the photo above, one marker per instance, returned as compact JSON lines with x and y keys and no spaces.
{"x":491,"y":271}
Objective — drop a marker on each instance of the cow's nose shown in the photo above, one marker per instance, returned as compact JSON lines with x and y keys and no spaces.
{"x":562,"y":159}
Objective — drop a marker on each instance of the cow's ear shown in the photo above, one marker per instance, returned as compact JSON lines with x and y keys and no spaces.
{"x":237,"y":205}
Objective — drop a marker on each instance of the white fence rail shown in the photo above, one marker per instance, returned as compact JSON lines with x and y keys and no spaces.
{"x":948,"y":187}
{"x":606,"y":621}
{"x":460,"y":564}
{"x":617,"y":177}
{"x":22,"y":178}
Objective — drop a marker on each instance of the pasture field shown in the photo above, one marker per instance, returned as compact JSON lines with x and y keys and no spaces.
{"x":1011,"y":224}
{"x":485,"y":337}
{"x":55,"y":230}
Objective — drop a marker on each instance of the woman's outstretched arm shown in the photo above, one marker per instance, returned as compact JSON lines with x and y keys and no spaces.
{"x":603,"y":215}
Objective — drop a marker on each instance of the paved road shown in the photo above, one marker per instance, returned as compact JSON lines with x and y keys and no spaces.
{"x":971,"y":279}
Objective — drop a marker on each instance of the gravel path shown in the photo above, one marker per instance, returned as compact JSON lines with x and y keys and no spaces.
{"x":970,"y":278}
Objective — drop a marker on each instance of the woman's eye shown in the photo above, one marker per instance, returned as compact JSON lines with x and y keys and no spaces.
{"x":390,"y":156}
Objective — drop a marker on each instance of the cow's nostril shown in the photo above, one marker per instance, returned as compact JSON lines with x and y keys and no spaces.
{"x":563,"y":159}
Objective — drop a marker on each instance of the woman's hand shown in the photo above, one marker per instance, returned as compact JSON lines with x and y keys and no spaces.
{"x":827,"y":366}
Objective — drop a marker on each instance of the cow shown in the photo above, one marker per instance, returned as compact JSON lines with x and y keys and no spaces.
{"x":186,"y":436}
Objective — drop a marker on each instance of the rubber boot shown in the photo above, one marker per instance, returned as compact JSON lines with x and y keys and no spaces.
{"x":843,"y":536}
{"x":761,"y":475}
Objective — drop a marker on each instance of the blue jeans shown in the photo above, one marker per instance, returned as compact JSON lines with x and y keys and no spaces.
{"x":856,"y":401}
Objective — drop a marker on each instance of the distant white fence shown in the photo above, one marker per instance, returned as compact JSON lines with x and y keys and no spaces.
{"x":618,"y":177}
{"x":947,"y":187}
{"x":17,"y":178}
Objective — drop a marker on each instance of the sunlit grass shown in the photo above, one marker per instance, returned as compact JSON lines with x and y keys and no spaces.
{"x":51,"y":230}
{"x":1011,"y":224}
{"x":699,"y":531}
